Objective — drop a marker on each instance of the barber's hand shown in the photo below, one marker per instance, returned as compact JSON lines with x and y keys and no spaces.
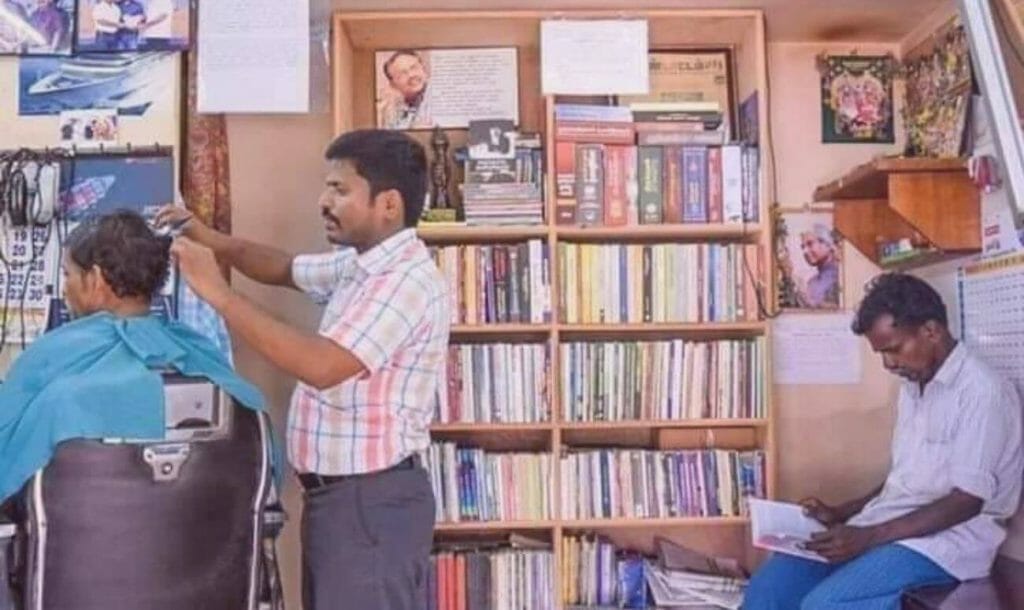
{"x":198,"y":267}
{"x":175,"y":214}
{"x":843,"y":542}
{"x":821,"y":512}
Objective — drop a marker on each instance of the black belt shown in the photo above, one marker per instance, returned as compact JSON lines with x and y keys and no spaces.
{"x":312,"y":480}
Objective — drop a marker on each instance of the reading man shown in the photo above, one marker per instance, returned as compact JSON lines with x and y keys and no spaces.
{"x":955,"y":478}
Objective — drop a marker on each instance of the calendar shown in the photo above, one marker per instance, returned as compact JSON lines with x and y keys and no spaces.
{"x":991,"y":296}
{"x":28,"y":280}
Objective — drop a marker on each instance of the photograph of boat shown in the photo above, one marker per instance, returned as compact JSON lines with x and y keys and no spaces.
{"x":127,"y":82}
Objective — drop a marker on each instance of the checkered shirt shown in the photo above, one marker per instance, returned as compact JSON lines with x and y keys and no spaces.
{"x":389,"y":307}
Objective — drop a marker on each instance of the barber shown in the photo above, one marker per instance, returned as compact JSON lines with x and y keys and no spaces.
{"x":367,"y":381}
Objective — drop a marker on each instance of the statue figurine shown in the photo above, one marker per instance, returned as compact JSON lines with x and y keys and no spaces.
{"x":439,"y":171}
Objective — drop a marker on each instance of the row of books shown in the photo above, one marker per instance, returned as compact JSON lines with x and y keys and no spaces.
{"x":496,"y":383}
{"x":507,"y":579}
{"x":642,"y":484}
{"x":663,"y":380}
{"x":594,"y":573}
{"x":605,"y":283}
{"x":597,"y":574}
{"x":505,"y":191}
{"x":503,"y":283}
{"x":682,"y":171}
{"x":471,"y":484}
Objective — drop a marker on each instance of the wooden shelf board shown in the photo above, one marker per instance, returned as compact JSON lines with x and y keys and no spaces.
{"x":486,"y":427}
{"x":755,"y":327}
{"x":870,"y":180}
{"x":668,"y":423}
{"x":925,"y":259}
{"x":500,"y":329}
{"x":733,"y":231}
{"x":627,"y":523}
{"x":435,"y":233}
{"x":493,"y":526}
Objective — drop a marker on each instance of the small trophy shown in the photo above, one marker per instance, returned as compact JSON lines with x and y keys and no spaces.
{"x":441,"y":209}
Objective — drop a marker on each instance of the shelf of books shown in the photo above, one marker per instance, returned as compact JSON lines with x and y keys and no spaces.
{"x":607,"y":390}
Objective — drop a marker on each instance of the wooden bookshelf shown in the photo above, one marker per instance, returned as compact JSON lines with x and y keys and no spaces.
{"x":357,"y":35}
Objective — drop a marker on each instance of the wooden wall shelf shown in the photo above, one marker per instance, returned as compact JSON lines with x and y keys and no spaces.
{"x":928,"y":201}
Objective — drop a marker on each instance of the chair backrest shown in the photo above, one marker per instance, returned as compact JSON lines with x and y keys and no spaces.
{"x":150,"y":525}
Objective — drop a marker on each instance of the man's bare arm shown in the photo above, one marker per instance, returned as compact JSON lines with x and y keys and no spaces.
{"x":258,"y":262}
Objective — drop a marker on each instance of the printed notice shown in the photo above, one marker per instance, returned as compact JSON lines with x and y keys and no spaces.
{"x":253,"y":56}
{"x":816,"y":349}
{"x":599,"y":57}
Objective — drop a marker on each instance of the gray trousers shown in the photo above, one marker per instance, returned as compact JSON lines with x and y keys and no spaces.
{"x":366,"y":542}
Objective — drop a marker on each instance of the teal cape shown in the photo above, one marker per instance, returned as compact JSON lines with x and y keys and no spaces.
{"x":99,"y":377}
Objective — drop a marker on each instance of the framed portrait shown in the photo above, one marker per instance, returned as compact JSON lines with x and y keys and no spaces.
{"x":856,"y":99}
{"x":810,"y":260}
{"x":447,"y":88}
{"x":128,"y":26}
{"x":692,"y":75}
{"x":37,"y":27}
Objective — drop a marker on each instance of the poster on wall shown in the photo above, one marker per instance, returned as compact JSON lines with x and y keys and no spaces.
{"x":36,"y":27}
{"x":938,"y":99}
{"x":699,"y":76}
{"x":421,"y":89}
{"x":856,"y":99}
{"x":809,"y":254}
{"x":132,"y":25}
{"x":129,"y":83}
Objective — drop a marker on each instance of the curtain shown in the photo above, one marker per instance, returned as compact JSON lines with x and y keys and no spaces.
{"x":205,"y":174}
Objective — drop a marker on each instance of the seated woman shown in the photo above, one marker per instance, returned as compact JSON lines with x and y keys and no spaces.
{"x":96,"y":376}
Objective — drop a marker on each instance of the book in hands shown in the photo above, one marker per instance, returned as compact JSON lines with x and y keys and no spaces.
{"x":783,"y":528}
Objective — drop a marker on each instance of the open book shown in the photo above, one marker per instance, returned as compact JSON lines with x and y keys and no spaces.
{"x":783,"y":528}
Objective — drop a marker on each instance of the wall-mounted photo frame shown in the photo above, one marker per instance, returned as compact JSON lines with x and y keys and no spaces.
{"x":856,"y":99}
{"x":809,"y":253}
{"x":939,"y":83}
{"x":692,"y":75}
{"x":447,"y":88}
{"x":130,"y":26}
{"x":37,"y":27}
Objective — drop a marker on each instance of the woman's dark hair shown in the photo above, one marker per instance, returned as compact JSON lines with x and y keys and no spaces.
{"x":387,"y":160}
{"x":910,"y":301}
{"x":134,"y":260}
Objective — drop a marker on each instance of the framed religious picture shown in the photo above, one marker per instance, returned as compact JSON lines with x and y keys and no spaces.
{"x":37,"y":27}
{"x":856,"y":99}
{"x":810,"y":260}
{"x":447,"y":88}
{"x":701,"y":76}
{"x":938,"y":94}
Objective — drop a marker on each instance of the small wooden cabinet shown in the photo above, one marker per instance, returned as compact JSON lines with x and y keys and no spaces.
{"x":930,"y":202}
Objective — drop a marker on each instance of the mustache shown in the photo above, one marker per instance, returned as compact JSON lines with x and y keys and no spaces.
{"x":328,"y":216}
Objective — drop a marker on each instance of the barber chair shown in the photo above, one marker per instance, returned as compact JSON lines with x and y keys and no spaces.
{"x":188,"y":521}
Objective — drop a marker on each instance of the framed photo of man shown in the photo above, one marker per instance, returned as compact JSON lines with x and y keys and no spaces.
{"x":447,"y":88}
{"x":120,"y":26}
{"x":810,"y":260}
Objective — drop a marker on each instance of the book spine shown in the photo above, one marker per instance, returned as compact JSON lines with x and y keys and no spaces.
{"x":715,"y":185}
{"x":590,"y":183}
{"x":650,"y":179}
{"x":695,"y":184}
